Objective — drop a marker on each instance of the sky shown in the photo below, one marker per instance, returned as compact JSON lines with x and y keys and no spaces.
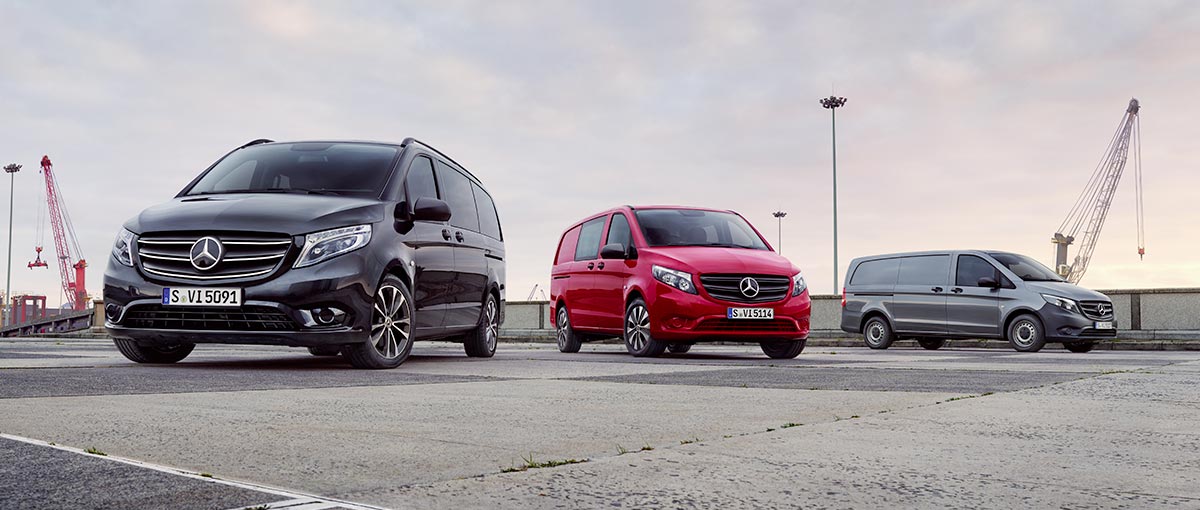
{"x":968,"y":124}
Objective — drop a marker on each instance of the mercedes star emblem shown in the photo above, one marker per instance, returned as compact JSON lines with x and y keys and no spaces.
{"x":749,"y":287}
{"x":207,"y":252}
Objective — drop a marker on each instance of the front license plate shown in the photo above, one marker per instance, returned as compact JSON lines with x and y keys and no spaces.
{"x":750,"y":313}
{"x":185,"y":296}
{"x":1105,"y":325}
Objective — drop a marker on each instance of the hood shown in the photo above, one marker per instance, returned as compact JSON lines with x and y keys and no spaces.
{"x":259,"y":212}
{"x":710,"y":259}
{"x":1067,"y":290}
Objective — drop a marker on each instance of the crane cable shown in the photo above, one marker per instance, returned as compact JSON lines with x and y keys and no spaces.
{"x":1088,"y":196}
{"x":1137,"y":171}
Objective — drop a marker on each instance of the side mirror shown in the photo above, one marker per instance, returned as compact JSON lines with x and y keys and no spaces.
{"x":613,"y":251}
{"x":988,"y":282}
{"x":430,"y":209}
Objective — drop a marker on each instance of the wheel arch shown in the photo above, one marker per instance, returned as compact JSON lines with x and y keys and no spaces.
{"x":876,"y":312}
{"x":1017,"y":312}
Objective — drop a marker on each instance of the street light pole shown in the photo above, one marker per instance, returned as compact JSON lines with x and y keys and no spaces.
{"x":11,"y":170}
{"x":832,"y":103}
{"x":779,"y":244}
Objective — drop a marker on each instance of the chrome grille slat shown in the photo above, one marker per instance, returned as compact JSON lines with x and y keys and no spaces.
{"x":1097,"y":310}
{"x":246,"y":255}
{"x":726,"y":287}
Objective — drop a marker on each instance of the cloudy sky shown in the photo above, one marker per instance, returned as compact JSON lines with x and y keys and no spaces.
{"x":969,"y":124}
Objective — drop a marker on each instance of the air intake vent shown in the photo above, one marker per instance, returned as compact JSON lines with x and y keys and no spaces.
{"x":249,"y":318}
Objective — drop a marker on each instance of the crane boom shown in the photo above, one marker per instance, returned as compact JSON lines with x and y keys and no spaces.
{"x":71,"y":269}
{"x":1086,"y":218}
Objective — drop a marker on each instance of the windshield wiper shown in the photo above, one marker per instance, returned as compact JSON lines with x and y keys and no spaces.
{"x":266,"y":190}
{"x":717,"y":245}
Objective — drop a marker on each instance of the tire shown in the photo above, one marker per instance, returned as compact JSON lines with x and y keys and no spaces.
{"x":481,"y":343}
{"x":783,"y":350}
{"x":153,"y":354}
{"x":324,"y":351}
{"x":931,"y":344}
{"x":638,"y":340}
{"x":389,"y":341}
{"x":1079,"y":347}
{"x":679,"y":348}
{"x":877,"y":333}
{"x":1026,"y":334}
{"x":568,"y":340}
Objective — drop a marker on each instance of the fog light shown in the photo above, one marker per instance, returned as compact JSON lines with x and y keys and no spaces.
{"x":112,"y":311}
{"x":324,"y":316}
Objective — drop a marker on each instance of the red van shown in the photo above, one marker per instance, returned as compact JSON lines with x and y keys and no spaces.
{"x":666,"y":277}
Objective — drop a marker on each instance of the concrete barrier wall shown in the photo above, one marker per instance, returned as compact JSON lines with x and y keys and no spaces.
{"x":1145,"y":314}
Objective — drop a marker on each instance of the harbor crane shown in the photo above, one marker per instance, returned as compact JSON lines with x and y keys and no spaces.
{"x":1086,"y":218}
{"x":72,"y":267}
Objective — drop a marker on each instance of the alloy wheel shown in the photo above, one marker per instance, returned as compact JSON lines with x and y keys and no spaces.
{"x":493,"y":325}
{"x":563,"y":327}
{"x":390,"y":324}
{"x":637,"y":327}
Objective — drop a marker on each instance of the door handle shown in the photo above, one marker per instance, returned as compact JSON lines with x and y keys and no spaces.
{"x":446,"y":234}
{"x":600,"y":266}
{"x":591,"y":265}
{"x":459,"y":236}
{"x":936,"y":289}
{"x":956,"y":290}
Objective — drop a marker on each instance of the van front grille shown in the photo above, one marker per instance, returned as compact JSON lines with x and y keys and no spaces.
{"x":240,"y":255}
{"x":1097,"y":310}
{"x":728,"y":287}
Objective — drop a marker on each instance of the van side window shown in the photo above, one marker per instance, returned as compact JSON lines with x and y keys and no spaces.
{"x":420,"y":181}
{"x":489,"y":221}
{"x":971,"y":269}
{"x":924,"y":270}
{"x":876,"y":272}
{"x":456,"y":191}
{"x":589,"y":239}
{"x":566,"y":247}
{"x":618,"y":231}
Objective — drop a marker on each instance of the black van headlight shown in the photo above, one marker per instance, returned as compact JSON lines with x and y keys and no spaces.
{"x":123,"y":248}
{"x":1067,"y":304}
{"x":327,"y":244}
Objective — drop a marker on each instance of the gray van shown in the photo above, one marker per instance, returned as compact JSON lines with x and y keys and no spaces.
{"x":933,"y":296}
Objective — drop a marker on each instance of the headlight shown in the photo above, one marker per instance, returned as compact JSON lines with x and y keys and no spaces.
{"x":678,"y":279}
{"x":798,"y":284}
{"x":123,"y":248}
{"x":1066,"y":304}
{"x":328,"y":244}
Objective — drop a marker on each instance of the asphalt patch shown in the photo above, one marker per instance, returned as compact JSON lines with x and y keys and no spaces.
{"x":854,"y":379}
{"x":39,"y":477}
{"x":205,"y":377}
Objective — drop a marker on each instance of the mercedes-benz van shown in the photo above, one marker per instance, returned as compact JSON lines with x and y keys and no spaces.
{"x":933,"y":296}
{"x":356,"y":248}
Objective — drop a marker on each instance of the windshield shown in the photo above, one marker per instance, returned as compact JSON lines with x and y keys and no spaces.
{"x":1027,"y":268}
{"x":351,"y":169}
{"x":689,"y":227}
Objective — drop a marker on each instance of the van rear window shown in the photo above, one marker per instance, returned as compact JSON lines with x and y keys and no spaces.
{"x":566,"y":248}
{"x":876,"y":272}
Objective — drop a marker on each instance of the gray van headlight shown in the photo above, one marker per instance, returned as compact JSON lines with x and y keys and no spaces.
{"x":327,"y":244}
{"x":1065,"y":303}
{"x":123,"y":248}
{"x":798,"y":284}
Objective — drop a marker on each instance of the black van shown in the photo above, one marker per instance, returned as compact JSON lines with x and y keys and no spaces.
{"x":356,"y":248}
{"x":935,"y":295}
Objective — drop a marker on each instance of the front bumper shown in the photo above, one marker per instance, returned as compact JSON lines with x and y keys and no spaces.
{"x":340,"y":282}
{"x":679,"y":316}
{"x":1064,"y":326}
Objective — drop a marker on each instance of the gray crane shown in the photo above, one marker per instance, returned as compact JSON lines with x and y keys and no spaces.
{"x":1091,"y":208}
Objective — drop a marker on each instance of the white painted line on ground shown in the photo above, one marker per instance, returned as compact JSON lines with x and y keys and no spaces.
{"x":296,"y":501}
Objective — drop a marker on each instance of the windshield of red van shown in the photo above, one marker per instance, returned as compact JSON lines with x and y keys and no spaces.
{"x":690,"y":227}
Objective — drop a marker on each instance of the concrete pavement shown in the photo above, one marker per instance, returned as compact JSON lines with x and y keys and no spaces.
{"x":720,"y":427}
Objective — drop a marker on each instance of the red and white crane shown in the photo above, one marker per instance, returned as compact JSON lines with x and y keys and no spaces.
{"x":71,"y":264}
